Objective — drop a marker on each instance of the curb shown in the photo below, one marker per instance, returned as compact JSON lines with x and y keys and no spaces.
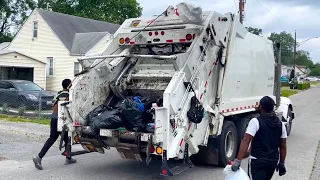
{"x":315,"y":174}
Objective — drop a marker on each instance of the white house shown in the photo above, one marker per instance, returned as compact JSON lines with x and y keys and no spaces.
{"x":286,"y":71}
{"x":56,"y":40}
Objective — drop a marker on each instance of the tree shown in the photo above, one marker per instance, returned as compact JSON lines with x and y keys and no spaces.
{"x":315,"y":71}
{"x":12,"y":15}
{"x":255,"y":31}
{"x":287,"y":44}
{"x":303,"y":58}
{"x":115,"y":11}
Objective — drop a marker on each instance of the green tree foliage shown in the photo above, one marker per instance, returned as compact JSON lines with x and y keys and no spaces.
{"x":287,"y":45}
{"x":315,"y":71}
{"x":12,"y":15}
{"x":255,"y":31}
{"x":115,"y":11}
{"x":303,"y":58}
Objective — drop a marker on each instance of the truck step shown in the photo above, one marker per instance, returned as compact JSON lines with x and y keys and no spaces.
{"x":179,"y":169}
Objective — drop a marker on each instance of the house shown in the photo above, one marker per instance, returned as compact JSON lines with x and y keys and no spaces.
{"x":300,"y":71}
{"x":286,"y":71}
{"x":56,"y":40}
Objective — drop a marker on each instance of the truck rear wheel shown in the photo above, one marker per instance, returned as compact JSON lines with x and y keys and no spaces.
{"x":242,"y":125}
{"x":228,"y":141}
{"x":289,"y":124}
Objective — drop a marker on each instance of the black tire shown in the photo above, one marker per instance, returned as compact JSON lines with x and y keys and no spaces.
{"x":242,"y":124}
{"x":289,"y":124}
{"x":227,"y":143}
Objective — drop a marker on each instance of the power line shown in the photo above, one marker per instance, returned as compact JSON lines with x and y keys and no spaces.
{"x":272,"y":13}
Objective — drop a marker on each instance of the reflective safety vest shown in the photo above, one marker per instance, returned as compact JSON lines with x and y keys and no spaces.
{"x":61,"y":96}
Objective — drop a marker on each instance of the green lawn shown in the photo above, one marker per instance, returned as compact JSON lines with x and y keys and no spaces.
{"x":287,"y":92}
{"x":24,"y":120}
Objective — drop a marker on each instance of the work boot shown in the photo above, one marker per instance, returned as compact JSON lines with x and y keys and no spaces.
{"x":37,"y":162}
{"x":70,"y":161}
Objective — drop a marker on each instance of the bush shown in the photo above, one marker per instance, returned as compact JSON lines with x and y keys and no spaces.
{"x":285,"y":84}
{"x":303,"y":86}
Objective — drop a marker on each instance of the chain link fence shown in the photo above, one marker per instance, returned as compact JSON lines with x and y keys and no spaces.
{"x":29,"y":104}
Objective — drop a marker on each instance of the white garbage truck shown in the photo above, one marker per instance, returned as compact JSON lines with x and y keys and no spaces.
{"x":204,"y":74}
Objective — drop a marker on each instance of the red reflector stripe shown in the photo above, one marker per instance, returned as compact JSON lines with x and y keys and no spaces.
{"x":201,"y":96}
{"x":132,"y":42}
{"x":181,"y":142}
{"x":182,"y":40}
{"x":205,"y":85}
{"x":169,"y":41}
{"x":210,"y":73}
{"x":189,"y":127}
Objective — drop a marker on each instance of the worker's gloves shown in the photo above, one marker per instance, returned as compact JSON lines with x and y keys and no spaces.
{"x":281,"y":168}
{"x":236,"y":165}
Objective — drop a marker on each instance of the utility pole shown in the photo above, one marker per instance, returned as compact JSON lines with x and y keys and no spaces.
{"x":241,"y":11}
{"x":294,"y":53}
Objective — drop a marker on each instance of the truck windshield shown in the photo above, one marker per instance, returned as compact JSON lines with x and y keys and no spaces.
{"x":28,"y":86}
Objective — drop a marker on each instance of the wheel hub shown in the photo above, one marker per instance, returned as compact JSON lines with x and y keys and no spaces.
{"x":229,"y":144}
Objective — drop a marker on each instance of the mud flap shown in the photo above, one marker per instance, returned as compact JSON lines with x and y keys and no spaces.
{"x":167,"y":171}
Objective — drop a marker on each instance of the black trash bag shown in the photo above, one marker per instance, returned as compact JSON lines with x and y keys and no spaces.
{"x":94,"y":113}
{"x":109,"y":118}
{"x":133,"y":116}
{"x":195,"y":113}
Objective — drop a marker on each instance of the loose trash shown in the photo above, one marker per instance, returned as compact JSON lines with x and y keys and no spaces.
{"x":235,"y":175}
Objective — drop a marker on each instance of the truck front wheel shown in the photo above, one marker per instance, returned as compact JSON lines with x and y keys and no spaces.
{"x":228,"y":141}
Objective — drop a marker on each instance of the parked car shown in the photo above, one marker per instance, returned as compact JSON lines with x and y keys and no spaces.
{"x":21,"y":93}
{"x":284,"y":79}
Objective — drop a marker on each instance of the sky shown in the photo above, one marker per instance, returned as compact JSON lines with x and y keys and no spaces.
{"x":268,"y":15}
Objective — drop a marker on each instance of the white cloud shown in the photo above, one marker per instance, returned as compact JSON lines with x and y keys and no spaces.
{"x":270,"y":16}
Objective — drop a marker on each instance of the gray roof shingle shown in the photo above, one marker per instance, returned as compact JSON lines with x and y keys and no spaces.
{"x":83,"y":42}
{"x":66,"y":26}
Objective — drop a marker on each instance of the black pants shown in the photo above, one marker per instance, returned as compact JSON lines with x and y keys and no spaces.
{"x":262,"y":170}
{"x":54,"y":134}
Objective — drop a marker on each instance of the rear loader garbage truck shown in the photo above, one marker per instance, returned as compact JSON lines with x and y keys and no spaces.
{"x":182,"y":85}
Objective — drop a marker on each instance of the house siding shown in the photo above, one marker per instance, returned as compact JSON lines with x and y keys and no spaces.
{"x":11,"y":59}
{"x":99,"y":48}
{"x":47,"y":44}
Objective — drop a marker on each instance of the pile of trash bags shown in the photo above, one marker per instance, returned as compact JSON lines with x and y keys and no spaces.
{"x":134,"y":114}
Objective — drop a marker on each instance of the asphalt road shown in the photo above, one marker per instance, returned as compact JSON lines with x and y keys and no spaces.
{"x":20,"y":142}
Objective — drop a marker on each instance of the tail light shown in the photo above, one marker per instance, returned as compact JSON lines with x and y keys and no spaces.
{"x":189,"y":37}
{"x":76,"y":138}
{"x":127,"y":40}
{"x":121,"y":40}
{"x":150,"y":33}
{"x":156,"y":33}
{"x":162,"y":33}
{"x":159,"y":150}
{"x":152,"y":149}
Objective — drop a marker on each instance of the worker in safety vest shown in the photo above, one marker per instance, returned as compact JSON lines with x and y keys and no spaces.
{"x":267,"y":135}
{"x":54,"y":134}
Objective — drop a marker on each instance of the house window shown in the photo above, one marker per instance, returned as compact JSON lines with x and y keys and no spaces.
{"x":50,"y":66}
{"x":76,"y":68}
{"x":35,"y":29}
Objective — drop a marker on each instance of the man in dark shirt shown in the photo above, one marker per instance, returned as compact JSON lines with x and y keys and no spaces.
{"x":54,"y":134}
{"x":267,"y":135}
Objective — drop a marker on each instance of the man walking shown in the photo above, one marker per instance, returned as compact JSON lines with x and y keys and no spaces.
{"x":267,"y":135}
{"x":54,"y":134}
